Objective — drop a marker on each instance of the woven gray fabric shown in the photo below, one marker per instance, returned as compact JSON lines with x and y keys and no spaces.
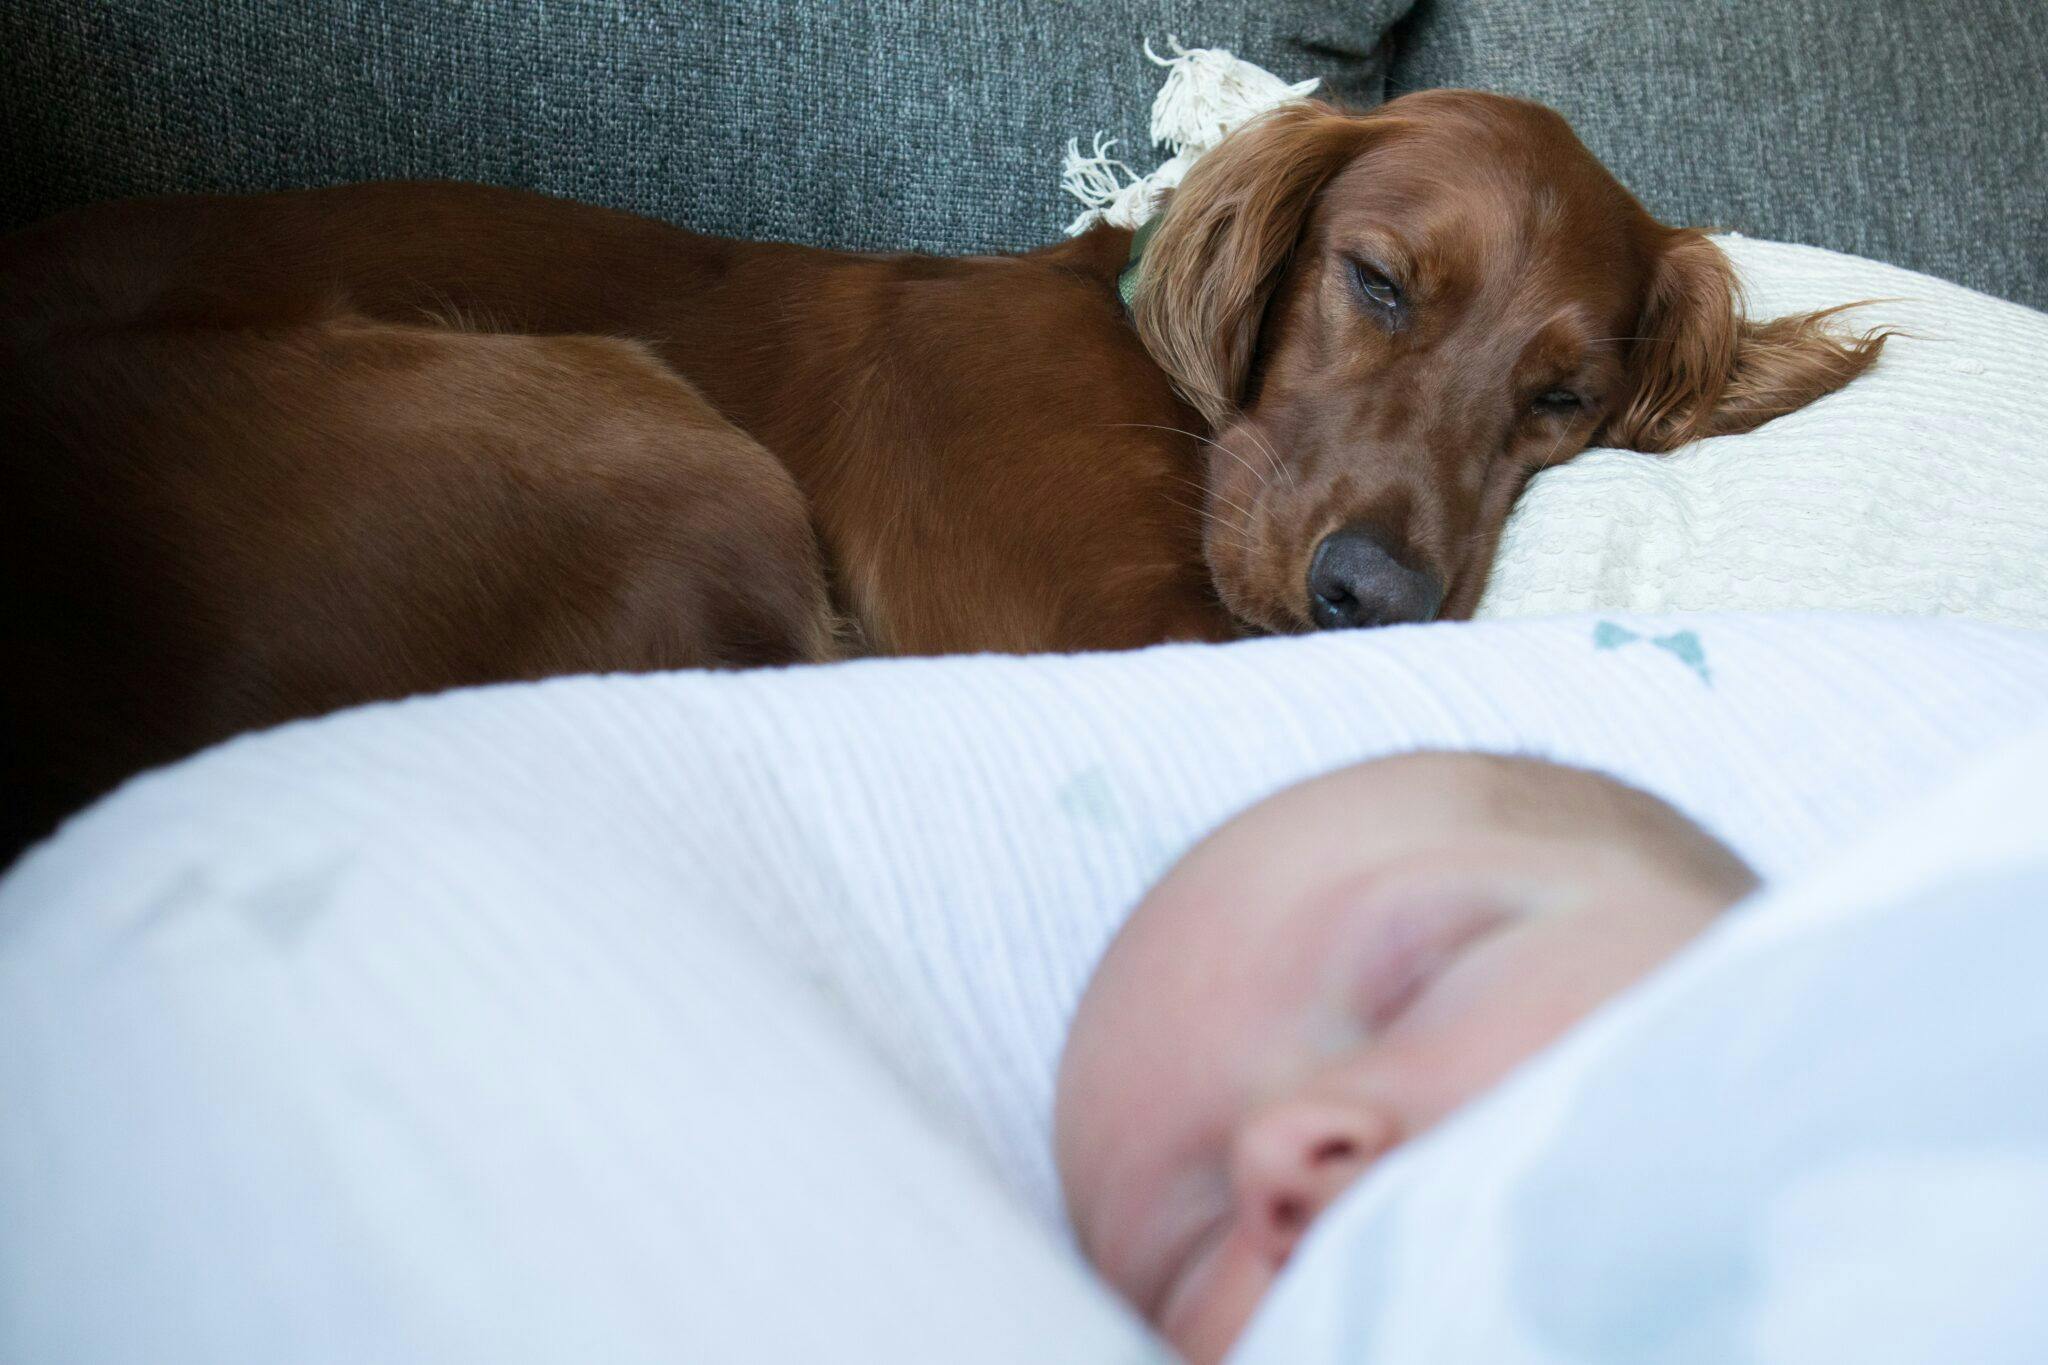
{"x":1913,"y":131}
{"x":929,"y":124}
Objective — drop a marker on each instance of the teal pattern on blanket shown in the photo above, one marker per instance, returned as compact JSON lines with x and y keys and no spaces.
{"x":1682,"y":645}
{"x":1089,"y":797}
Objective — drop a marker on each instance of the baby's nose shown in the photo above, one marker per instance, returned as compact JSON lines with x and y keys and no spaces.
{"x":1292,"y":1159}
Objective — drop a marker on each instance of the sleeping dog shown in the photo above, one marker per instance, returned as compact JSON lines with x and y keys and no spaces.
{"x":270,"y":456}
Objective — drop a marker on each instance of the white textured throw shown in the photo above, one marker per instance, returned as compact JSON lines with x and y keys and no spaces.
{"x":714,"y":1016}
{"x":1922,"y":488}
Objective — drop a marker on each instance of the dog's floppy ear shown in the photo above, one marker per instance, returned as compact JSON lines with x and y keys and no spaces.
{"x":1702,"y":369}
{"x":1225,"y":238}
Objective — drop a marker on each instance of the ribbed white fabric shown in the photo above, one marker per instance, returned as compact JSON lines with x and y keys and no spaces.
{"x":1922,"y":488}
{"x":715,"y":1017}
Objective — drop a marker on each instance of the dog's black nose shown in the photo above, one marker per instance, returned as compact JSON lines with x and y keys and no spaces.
{"x":1353,"y":581}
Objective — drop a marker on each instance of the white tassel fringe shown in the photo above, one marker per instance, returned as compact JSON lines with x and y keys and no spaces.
{"x":1206,"y":94}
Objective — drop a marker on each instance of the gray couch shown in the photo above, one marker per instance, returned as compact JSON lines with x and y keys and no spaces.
{"x":1909,"y":130}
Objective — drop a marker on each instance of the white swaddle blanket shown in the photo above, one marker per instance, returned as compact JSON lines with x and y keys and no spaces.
{"x":716,"y":1015}
{"x":1820,"y":1134}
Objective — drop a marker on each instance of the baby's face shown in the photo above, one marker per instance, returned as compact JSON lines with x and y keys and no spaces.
{"x":1331,"y":974}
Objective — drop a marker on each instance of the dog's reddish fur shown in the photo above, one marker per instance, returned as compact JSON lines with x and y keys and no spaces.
{"x":275,"y":455}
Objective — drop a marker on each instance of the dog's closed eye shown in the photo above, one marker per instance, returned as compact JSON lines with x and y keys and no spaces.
{"x":1381,"y":297}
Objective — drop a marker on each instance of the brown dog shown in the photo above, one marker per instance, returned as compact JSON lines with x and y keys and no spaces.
{"x":275,"y":455}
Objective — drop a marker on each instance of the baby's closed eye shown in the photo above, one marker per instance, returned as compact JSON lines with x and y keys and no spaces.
{"x":1413,"y":932}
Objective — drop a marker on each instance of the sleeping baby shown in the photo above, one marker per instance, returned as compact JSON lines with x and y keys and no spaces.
{"x":1333,"y":973}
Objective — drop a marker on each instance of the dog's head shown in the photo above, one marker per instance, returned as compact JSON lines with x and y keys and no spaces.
{"x":1392,"y":320}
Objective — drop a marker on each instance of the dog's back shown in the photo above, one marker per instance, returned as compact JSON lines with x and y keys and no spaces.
{"x":230,"y":506}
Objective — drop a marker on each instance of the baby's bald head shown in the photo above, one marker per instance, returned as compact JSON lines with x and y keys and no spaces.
{"x":1330,"y":974}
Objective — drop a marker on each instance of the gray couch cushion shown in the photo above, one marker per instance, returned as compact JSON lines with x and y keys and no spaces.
{"x":1914,"y":131}
{"x":933,"y":124}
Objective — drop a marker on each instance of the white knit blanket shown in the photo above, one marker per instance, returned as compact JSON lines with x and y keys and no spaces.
{"x":1921,"y":488}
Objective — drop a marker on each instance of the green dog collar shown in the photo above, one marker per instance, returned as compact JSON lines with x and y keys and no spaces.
{"x":1133,"y":275}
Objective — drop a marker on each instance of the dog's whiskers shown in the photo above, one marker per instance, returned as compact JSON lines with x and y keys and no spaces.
{"x":1208,"y":492}
{"x":1272,"y":456}
{"x":1212,"y":520}
{"x":1250,"y":468}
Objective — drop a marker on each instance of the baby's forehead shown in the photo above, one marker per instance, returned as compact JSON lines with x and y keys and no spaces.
{"x":1273,"y":875}
{"x":1392,"y":805}
{"x":1464,"y":792}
